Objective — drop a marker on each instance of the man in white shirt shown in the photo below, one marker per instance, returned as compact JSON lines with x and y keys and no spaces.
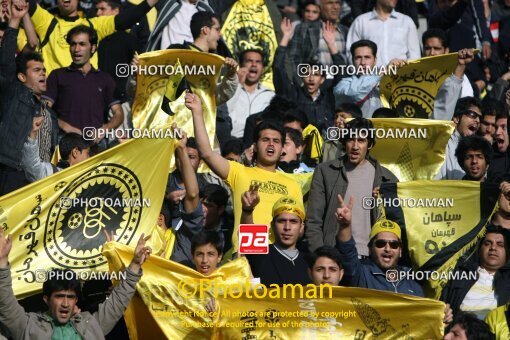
{"x":435,"y":42}
{"x":394,"y":33}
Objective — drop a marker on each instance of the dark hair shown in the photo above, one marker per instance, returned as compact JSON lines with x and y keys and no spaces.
{"x":364,"y":43}
{"x":70,"y":141}
{"x":61,"y":279}
{"x":114,"y":4}
{"x":360,"y":124}
{"x":191,"y":143}
{"x":496,"y":229}
{"x":435,"y":33}
{"x":256,"y":50}
{"x":296,"y":115}
{"x":493,"y":107}
{"x":216,"y":194}
{"x":82,"y":29}
{"x":23,"y":59}
{"x":384,"y":112}
{"x":201,"y":19}
{"x":207,"y":237}
{"x":268,"y":125}
{"x":464,"y":103}
{"x":324,"y":251}
{"x":234,"y":145}
{"x":473,"y":143}
{"x":351,"y":108}
{"x":166,"y":212}
{"x":474,"y":328}
{"x":295,"y":136}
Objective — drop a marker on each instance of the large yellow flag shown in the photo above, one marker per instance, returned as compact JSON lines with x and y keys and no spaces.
{"x":173,"y":300}
{"x":411,"y":148}
{"x":441,"y":219}
{"x":412,"y":91}
{"x":159,"y":68}
{"x":60,"y":220}
{"x":249,"y":27}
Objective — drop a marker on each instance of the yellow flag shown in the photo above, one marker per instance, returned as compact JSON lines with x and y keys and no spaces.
{"x":200,"y":70}
{"x":165,"y":294}
{"x":442,"y":220}
{"x":312,"y":141}
{"x":60,"y":220}
{"x":411,"y":92}
{"x":171,"y":306}
{"x":249,"y":27}
{"x":411,"y":148}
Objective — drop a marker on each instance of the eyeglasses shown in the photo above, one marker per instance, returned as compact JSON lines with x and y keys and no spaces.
{"x":380,"y":243}
{"x":472,"y":114}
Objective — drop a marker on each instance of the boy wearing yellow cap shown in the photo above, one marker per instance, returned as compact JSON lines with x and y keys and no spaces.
{"x":381,"y":270}
{"x":284,"y":264}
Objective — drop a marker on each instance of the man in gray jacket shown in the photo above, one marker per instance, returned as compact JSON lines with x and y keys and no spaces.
{"x":355,"y":175}
{"x":61,"y":293}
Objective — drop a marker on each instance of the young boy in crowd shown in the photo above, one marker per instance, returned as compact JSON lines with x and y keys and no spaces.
{"x":290,"y":161}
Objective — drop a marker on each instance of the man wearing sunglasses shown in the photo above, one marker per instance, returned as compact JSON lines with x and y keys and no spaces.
{"x":381,"y":270}
{"x":467,"y":116}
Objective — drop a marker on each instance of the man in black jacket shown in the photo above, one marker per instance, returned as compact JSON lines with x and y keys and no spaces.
{"x":491,"y":287}
{"x":21,"y":85}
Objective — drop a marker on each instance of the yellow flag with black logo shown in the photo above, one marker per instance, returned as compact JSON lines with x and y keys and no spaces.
{"x":417,"y":146}
{"x":61,"y":220}
{"x":173,"y":298}
{"x":412,"y":91}
{"x":171,"y":72}
{"x":442,"y":220}
{"x":249,"y":27}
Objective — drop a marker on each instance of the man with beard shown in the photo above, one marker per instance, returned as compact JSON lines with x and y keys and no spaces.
{"x":385,"y":247}
{"x":474,"y":155}
{"x":502,"y":215}
{"x":491,"y":108}
{"x":325,"y":266}
{"x":22,"y":81}
{"x":80,"y":93}
{"x":482,"y":277}
{"x":501,"y":162}
{"x":467,"y":120}
{"x":268,"y":146}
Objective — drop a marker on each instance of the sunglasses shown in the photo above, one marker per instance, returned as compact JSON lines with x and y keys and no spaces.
{"x":472,"y":114}
{"x":380,"y":243}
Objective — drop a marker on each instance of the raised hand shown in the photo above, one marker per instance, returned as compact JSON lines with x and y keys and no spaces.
{"x":19,"y":9}
{"x":181,"y":135}
{"x":344,"y":212}
{"x":5,"y":248}
{"x":250,"y":198}
{"x":287,"y":28}
{"x":241,"y":74}
{"x":192,"y":102}
{"x":141,"y":254}
{"x":210,"y":307}
{"x":231,"y":65}
{"x":329,"y":35}
{"x":465,"y":56}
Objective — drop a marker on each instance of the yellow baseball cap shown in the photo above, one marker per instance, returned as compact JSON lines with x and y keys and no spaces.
{"x":289,"y":205}
{"x":385,"y":225}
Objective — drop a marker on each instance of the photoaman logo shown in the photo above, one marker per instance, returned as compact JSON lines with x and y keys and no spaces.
{"x":253,"y":239}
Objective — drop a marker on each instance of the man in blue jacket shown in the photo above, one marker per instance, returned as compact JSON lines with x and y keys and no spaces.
{"x":380,"y":271}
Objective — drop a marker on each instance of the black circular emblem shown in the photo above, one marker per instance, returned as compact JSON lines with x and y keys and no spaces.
{"x":106,"y":198}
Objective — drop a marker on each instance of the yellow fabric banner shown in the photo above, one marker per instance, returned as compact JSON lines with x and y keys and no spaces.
{"x":417,"y":146}
{"x":411,"y":92}
{"x":200,"y":70}
{"x":442,"y":220}
{"x":59,"y":220}
{"x":172,"y":307}
{"x":249,"y":26}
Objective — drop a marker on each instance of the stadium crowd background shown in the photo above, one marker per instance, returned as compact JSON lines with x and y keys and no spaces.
{"x":64,"y":79}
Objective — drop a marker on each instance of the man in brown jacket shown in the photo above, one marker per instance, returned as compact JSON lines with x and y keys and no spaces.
{"x":61,"y":292}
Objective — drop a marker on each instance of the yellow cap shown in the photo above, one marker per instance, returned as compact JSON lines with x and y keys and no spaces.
{"x":385,"y":225}
{"x":289,"y":205}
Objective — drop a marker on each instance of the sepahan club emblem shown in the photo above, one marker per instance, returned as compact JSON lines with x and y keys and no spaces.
{"x":106,"y":198}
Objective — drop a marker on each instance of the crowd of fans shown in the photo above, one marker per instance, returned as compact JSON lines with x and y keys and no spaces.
{"x":57,"y":77}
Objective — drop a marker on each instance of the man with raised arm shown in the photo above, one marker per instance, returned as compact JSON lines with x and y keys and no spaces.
{"x":61,"y":294}
{"x":268,"y":137}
